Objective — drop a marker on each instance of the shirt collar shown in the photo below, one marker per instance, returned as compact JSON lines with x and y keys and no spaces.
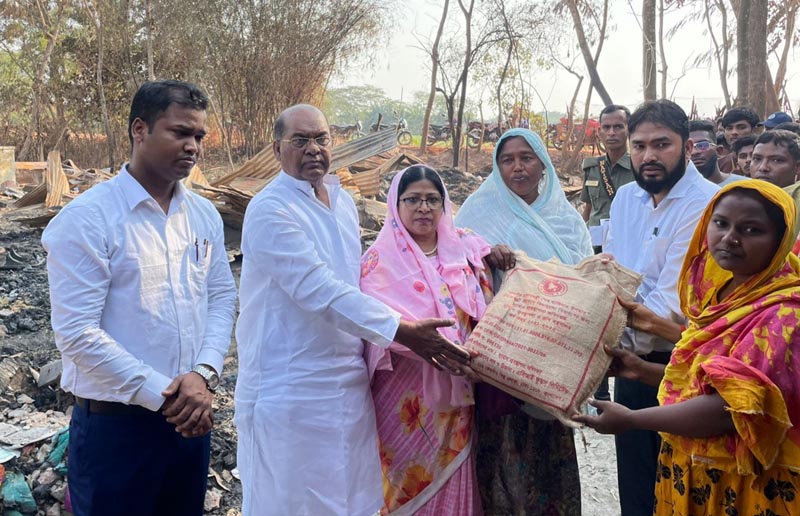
{"x":305,"y":186}
{"x":624,"y":161}
{"x":680,"y":189}
{"x":135,"y":194}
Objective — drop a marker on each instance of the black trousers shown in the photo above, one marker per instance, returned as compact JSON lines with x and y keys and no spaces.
{"x":134,"y":464}
{"x":637,"y":450}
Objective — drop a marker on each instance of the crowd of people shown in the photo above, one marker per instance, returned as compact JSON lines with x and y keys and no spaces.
{"x":355,"y":394}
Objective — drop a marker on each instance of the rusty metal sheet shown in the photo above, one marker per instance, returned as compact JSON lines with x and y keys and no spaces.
{"x":264,"y":165}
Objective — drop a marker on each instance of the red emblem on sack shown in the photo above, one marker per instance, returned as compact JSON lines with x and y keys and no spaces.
{"x":553,"y":287}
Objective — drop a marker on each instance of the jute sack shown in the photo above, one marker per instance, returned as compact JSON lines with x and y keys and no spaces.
{"x":541,"y":339}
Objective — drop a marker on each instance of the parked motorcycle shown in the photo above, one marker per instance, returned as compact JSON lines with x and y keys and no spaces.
{"x":404,"y":136}
{"x":476,"y":129}
{"x":439,"y":133}
{"x":347,"y":132}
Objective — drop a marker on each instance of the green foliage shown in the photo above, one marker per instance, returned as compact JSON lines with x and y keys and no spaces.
{"x":346,"y":105}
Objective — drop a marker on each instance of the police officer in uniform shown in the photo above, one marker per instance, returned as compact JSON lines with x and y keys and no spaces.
{"x":603,"y":175}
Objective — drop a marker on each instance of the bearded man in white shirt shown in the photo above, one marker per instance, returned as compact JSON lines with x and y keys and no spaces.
{"x":652,"y":222}
{"x":142,"y":307}
{"x":304,"y":413}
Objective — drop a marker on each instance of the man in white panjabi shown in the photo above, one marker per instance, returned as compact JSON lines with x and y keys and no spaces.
{"x":304,"y":414}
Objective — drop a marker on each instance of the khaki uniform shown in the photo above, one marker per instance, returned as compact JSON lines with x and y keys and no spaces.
{"x":594,"y":190}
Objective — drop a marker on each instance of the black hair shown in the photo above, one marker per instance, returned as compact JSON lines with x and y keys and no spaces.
{"x":154,"y":97}
{"x":706,"y":126}
{"x":740,"y":113}
{"x":611,"y":108}
{"x":786,"y":139}
{"x":662,"y":112}
{"x":742,"y":142}
{"x":416,"y":173}
{"x":774,"y":213}
{"x":788,"y":126}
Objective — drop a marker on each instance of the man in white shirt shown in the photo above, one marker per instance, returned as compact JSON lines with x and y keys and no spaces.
{"x":652,"y":222}
{"x":142,"y":307}
{"x":304,"y":414}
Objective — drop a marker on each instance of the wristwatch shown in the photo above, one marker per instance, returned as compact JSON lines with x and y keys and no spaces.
{"x":209,"y":375}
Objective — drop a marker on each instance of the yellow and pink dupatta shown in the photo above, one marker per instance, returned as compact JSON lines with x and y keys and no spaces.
{"x":746,"y":348}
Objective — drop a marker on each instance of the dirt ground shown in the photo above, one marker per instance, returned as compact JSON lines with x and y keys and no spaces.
{"x":26,"y":346}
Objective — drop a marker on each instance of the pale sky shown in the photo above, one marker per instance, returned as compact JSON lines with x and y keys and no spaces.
{"x":401,"y":68}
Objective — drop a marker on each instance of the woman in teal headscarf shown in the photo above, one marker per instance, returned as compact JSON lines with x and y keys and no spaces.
{"x":526,"y":460}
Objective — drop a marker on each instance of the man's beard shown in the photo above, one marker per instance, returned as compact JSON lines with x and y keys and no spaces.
{"x":657,"y":186}
{"x":709,"y":167}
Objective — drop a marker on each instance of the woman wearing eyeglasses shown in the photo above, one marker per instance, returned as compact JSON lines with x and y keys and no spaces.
{"x":422,"y":266}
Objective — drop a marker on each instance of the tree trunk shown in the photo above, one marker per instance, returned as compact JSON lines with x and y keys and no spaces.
{"x":649,"y":81}
{"x":148,"y":20}
{"x":591,"y":64}
{"x":52,"y":31}
{"x":720,"y":52}
{"x":742,"y":52}
{"x":463,"y":80}
{"x":426,"y":122}
{"x":661,"y":49}
{"x":752,"y":39}
{"x":778,"y":83}
{"x":94,"y":14}
{"x":502,"y":80}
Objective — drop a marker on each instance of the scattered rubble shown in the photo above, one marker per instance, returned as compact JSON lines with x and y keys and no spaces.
{"x":34,"y":411}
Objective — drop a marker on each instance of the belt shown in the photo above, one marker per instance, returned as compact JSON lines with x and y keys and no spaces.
{"x":658,"y":357}
{"x":111,"y":408}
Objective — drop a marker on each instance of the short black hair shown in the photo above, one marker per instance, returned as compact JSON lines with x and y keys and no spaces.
{"x":782,"y":138}
{"x":740,"y":113}
{"x":611,"y":108}
{"x":154,"y":97}
{"x":743,"y":142}
{"x":706,"y":126}
{"x":416,"y":173}
{"x":788,"y":126}
{"x":662,"y":112}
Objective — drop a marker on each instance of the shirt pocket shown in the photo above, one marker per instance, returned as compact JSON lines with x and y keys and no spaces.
{"x":199,"y":264}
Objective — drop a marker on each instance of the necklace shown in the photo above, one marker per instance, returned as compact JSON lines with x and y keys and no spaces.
{"x":432,"y":251}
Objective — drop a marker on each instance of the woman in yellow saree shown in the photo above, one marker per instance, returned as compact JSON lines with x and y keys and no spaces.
{"x":729,"y":411}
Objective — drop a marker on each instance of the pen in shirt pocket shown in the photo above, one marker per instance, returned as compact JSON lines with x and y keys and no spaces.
{"x":205,"y":251}
{"x":196,"y":250}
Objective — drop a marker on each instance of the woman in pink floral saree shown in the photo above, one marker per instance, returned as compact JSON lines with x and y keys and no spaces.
{"x":421,"y":266}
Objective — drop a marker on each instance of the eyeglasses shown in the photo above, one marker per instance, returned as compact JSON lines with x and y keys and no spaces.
{"x":416,"y":202}
{"x":300,"y":142}
{"x":702,"y":145}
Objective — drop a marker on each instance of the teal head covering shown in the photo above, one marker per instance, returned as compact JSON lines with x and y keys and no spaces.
{"x":547,"y":228}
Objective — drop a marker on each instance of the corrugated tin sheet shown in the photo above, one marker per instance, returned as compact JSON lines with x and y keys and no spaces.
{"x":264,"y":165}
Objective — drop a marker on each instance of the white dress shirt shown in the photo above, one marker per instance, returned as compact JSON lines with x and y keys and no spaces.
{"x":652,"y":240}
{"x":138,"y":296}
{"x":304,"y":413}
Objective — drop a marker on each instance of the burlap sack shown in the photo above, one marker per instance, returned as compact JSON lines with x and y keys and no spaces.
{"x":541,"y":339}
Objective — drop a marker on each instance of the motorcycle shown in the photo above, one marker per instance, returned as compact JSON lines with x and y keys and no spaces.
{"x":404,"y":136}
{"x":438,"y":133}
{"x":477,"y":130}
{"x":347,"y":132}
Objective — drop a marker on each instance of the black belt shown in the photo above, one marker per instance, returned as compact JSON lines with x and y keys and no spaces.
{"x":111,"y":408}
{"x":659,"y":357}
